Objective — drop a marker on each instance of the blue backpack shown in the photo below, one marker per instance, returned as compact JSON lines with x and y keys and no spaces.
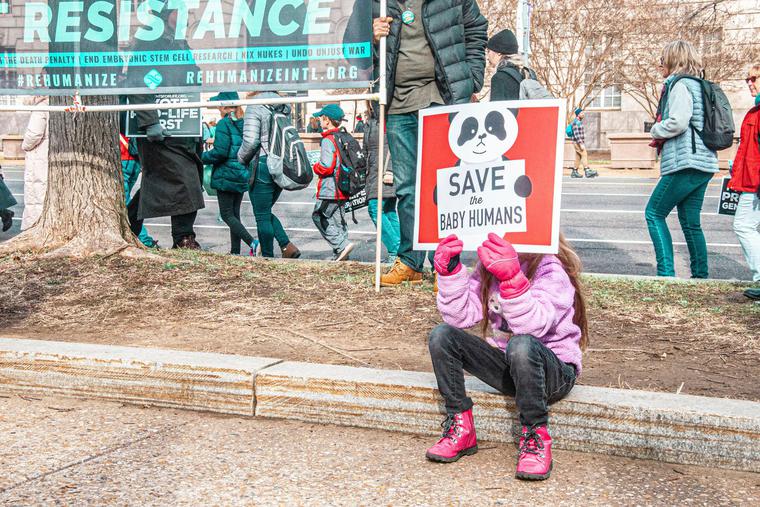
{"x":569,"y":130}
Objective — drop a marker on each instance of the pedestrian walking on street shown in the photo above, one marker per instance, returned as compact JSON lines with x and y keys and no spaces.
{"x":329,"y":215}
{"x":264,"y":192}
{"x":436,"y":56}
{"x":745,"y":178}
{"x":360,"y":125}
{"x":229,"y":177}
{"x":579,"y":143}
{"x":6,"y":201}
{"x":503,"y":54}
{"x":686,"y":164}
{"x":35,"y":144}
{"x":314,"y":127}
{"x":172,"y":171}
{"x":130,"y":171}
{"x":391,"y":233}
{"x":534,"y":307}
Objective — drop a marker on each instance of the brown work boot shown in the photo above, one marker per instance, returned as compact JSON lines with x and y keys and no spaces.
{"x":188,"y":242}
{"x":399,"y":274}
{"x":290,"y":251}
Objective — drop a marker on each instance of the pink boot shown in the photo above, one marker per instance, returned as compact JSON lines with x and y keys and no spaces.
{"x":458,"y":439}
{"x":535,"y":460}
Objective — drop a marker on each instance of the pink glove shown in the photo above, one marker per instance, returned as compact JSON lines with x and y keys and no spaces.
{"x":499,"y":257}
{"x":446,"y":259}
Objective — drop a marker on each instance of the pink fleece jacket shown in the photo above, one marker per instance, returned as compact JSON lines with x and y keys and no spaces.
{"x":545,"y":311}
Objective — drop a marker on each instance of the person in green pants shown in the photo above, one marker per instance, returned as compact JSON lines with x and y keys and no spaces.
{"x":686,"y":164}
{"x":391,"y":231}
{"x":264,"y":191}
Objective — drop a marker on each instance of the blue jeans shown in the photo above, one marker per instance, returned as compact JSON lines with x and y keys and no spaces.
{"x":264,"y":194}
{"x":684,"y":190}
{"x":391,"y":233}
{"x":747,"y":229}
{"x":527,"y":370}
{"x":402,"y":143}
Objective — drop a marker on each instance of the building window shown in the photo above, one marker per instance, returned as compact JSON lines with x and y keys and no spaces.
{"x":9,"y":100}
{"x":606,"y":98}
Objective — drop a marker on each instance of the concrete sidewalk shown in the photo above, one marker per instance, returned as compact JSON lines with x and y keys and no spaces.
{"x":74,"y":452}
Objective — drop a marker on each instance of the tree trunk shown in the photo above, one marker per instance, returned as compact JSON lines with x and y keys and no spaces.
{"x":84,"y":212}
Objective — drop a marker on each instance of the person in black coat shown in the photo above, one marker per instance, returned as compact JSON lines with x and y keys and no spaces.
{"x":172,"y":168}
{"x":502,"y":52}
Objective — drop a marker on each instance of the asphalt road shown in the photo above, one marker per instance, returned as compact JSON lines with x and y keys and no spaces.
{"x":56,"y":451}
{"x":603,"y":218}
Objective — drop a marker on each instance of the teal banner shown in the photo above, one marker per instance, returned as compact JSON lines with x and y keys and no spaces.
{"x":179,"y":46}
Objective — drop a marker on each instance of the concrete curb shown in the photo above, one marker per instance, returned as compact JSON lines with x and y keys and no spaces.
{"x":639,"y":424}
{"x":166,"y":378}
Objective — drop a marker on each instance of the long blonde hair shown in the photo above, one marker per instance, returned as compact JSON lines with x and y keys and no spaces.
{"x":680,"y":57}
{"x":573,"y":267}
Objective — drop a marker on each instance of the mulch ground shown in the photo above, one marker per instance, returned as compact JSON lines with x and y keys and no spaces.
{"x":703,"y":338}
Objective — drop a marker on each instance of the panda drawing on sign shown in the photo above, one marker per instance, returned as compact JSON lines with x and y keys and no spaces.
{"x":483,"y":137}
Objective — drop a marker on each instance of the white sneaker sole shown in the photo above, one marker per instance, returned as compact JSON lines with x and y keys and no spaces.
{"x":345,"y":252}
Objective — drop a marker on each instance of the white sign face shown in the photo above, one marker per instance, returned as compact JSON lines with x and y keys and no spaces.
{"x":490,"y":167}
{"x":474,"y":200}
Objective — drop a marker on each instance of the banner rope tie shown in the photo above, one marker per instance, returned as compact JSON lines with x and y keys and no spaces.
{"x":76,"y":106}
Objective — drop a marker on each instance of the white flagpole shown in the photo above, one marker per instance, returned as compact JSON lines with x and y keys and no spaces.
{"x":381,"y":151}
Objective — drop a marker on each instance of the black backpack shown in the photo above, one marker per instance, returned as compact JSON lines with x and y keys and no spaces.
{"x":352,"y":177}
{"x":718,"y":130}
{"x":287,"y":160}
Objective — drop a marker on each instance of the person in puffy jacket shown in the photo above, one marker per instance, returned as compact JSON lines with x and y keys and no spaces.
{"x":686,"y":164}
{"x":264,"y":191}
{"x":35,"y":144}
{"x":329,"y":214}
{"x":230,"y":177}
{"x":745,"y":178}
{"x":533,"y":321}
{"x":435,"y":56}
{"x":6,"y":201}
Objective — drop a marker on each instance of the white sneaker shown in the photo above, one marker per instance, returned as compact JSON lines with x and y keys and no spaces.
{"x":344,"y":254}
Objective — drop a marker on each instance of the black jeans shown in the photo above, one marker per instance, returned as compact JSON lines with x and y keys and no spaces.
{"x":182,"y":225}
{"x":528,"y":370}
{"x":229,"y":209}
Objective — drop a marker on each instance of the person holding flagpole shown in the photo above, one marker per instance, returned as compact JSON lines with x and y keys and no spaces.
{"x":435,"y":56}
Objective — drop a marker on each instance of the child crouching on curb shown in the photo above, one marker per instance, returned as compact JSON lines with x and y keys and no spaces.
{"x":535,"y":307}
{"x":328,"y":214}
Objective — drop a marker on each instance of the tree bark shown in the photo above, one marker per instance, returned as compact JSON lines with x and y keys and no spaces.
{"x":84,"y":211}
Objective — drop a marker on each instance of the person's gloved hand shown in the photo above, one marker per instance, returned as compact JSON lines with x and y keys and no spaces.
{"x":446,"y":259}
{"x":500,"y":258}
{"x":156,"y":133}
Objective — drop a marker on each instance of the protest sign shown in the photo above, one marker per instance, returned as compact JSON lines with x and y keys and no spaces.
{"x":490,"y":167}
{"x":729,"y":199}
{"x":178,"y":122}
{"x":173,"y":46}
{"x":356,"y":202}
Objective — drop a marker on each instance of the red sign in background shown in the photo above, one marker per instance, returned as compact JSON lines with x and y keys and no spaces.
{"x":536,"y":143}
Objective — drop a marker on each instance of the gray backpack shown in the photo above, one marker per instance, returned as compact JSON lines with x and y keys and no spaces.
{"x":287,"y":160}
{"x":530,"y":88}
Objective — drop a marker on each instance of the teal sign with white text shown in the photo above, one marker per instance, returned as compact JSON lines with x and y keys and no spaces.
{"x":175,"y":46}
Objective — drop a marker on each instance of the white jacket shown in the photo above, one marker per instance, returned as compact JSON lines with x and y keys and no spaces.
{"x":35,"y":144}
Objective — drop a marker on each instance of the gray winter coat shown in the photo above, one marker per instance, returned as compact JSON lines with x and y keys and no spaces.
{"x":683,"y":111}
{"x":457,"y":33}
{"x":370,"y":149}
{"x":256,"y":130}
